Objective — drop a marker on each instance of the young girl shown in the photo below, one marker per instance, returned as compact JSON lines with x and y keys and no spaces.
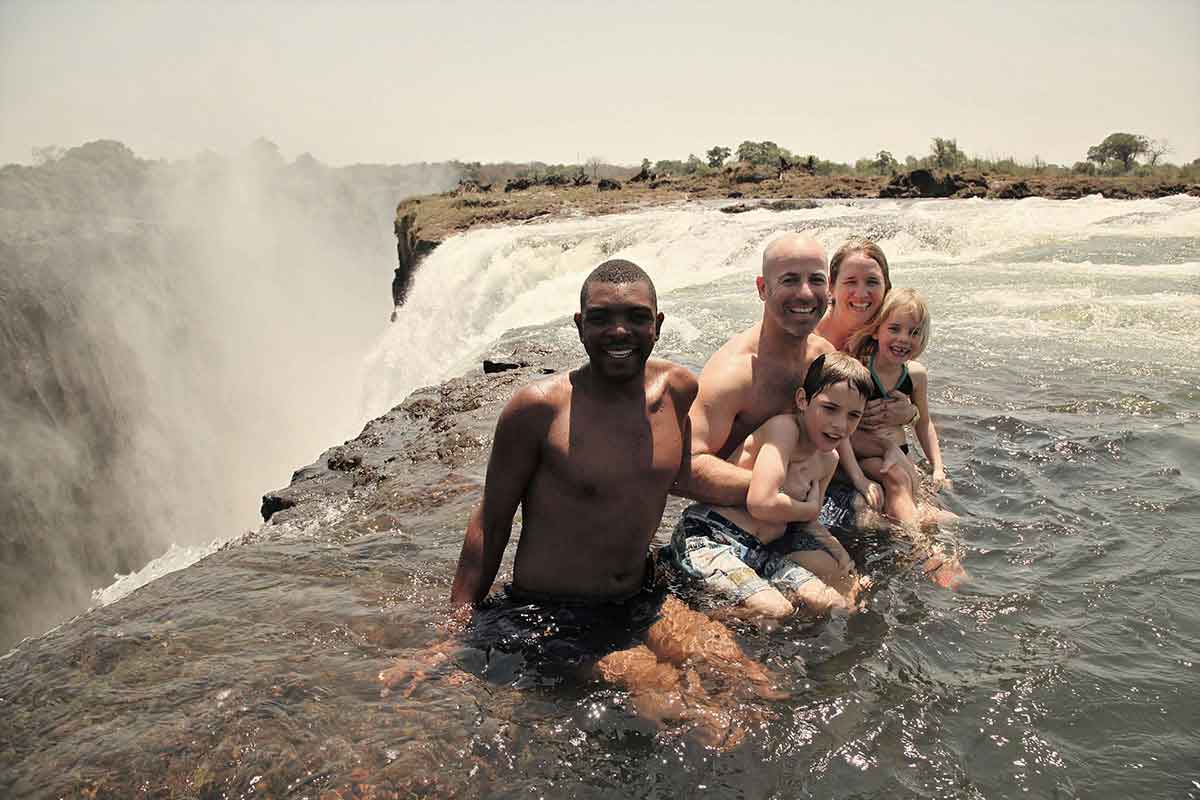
{"x":888,"y":347}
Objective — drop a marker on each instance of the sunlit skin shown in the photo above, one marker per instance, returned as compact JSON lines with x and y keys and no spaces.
{"x":792,"y":458}
{"x":753,"y":376}
{"x":589,"y":457}
{"x":857,"y":296}
{"x":900,"y":336}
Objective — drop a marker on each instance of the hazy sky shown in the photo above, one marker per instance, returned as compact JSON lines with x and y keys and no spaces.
{"x":561,"y":81}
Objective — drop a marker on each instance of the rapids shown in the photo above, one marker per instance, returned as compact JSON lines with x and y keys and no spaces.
{"x":1065,"y":382}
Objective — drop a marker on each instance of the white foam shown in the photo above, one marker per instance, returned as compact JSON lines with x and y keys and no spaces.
{"x":175,"y":559}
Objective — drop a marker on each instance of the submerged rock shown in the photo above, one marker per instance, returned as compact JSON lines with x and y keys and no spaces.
{"x":278,"y":638}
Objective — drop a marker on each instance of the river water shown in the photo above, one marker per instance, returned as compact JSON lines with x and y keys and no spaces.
{"x":1065,"y":383}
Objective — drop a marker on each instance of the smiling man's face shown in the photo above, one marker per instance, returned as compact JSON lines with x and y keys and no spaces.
{"x":618,"y":327}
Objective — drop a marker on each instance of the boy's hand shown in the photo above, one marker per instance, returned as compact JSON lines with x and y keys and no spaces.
{"x":832,"y":546}
{"x":872,"y":492}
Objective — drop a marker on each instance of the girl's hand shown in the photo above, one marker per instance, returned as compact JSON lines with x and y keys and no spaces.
{"x":872,"y":492}
{"x":940,"y":481}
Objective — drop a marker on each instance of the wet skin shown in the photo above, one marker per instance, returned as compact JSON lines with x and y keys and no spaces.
{"x":589,"y":457}
{"x":857,"y":296}
{"x":754,"y":375}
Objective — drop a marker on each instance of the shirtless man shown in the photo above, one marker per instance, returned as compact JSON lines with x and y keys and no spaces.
{"x":754,"y":375}
{"x":590,"y":457}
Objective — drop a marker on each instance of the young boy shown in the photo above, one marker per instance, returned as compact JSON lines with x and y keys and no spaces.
{"x":771,"y":556}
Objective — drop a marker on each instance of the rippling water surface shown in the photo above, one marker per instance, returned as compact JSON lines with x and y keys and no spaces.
{"x":1065,"y":381}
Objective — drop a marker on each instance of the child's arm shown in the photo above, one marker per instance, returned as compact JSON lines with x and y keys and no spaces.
{"x":766,"y":499}
{"x":819,"y":532}
{"x":868,"y":488}
{"x":926,"y":433}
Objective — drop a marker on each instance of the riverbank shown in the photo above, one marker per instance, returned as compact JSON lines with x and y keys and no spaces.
{"x":424,"y":222}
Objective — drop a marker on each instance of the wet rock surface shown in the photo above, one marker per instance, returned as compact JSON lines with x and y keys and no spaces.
{"x":254,"y":671}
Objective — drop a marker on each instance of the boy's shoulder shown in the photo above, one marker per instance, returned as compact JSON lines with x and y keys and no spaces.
{"x":780,"y":426}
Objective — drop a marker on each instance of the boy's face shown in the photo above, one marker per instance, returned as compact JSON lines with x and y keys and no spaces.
{"x":832,"y":415}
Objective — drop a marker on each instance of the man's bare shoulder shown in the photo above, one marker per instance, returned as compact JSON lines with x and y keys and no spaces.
{"x":739,"y":346}
{"x":731,"y":368}
{"x":545,"y":395}
{"x":819,"y":345}
{"x":676,"y":377}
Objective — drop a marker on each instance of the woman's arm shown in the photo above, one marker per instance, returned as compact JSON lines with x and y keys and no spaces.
{"x":926,"y":432}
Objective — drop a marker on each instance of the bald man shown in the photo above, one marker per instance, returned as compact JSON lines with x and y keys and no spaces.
{"x":754,"y":375}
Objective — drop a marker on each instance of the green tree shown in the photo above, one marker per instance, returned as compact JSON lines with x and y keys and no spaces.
{"x":1119,"y":147}
{"x":751,"y":152}
{"x":946,"y":153}
{"x":885,"y":162}
{"x":716,"y":156}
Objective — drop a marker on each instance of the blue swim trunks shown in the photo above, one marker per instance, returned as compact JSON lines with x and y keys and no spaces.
{"x":729,"y":561}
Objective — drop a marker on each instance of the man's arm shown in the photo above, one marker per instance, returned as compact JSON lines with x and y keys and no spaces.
{"x":709,"y":478}
{"x":520,"y":431}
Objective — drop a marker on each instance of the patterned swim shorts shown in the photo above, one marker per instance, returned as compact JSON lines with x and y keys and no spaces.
{"x":730,"y":561}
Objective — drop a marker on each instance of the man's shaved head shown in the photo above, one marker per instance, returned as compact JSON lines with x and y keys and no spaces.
{"x":792,"y":247}
{"x":617,"y":270}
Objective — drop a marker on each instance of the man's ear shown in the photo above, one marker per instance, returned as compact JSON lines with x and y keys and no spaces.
{"x":761,"y":283}
{"x":579,"y":323}
{"x":658,"y":321}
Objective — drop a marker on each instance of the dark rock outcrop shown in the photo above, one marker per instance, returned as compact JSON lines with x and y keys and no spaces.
{"x":518,"y":184}
{"x":410,"y":248}
{"x":924,"y":183}
{"x":608,"y":185}
{"x":1016,"y":190}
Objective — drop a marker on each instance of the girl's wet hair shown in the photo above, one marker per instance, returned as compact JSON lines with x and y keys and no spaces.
{"x":868,"y":249}
{"x":831,"y":369}
{"x":863,"y":344}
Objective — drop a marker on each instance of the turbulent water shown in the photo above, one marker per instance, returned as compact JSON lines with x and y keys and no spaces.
{"x":174,"y":340}
{"x":1065,"y":382}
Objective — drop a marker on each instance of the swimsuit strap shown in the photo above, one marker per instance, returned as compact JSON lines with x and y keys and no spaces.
{"x":878,"y":383}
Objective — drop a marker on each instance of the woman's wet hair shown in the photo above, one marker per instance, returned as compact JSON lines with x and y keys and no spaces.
{"x":617,"y":270}
{"x":863,"y":344}
{"x":831,"y":369}
{"x":868,"y":249}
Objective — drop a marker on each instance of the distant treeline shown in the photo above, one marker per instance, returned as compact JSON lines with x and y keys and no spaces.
{"x":1119,"y":154}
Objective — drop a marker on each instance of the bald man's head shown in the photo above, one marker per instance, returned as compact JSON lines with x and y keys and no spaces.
{"x":793,"y":247}
{"x":794,"y":285}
